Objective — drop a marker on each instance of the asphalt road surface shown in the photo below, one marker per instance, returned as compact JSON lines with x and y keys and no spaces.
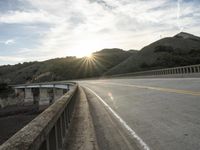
{"x":157,"y":114}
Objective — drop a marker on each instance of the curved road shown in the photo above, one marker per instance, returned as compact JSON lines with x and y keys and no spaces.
{"x":157,"y":114}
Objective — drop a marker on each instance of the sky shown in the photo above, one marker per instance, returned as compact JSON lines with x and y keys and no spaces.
{"x":33,"y":30}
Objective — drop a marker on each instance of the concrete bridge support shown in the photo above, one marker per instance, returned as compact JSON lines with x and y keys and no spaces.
{"x":28,"y":96}
{"x":58,"y":93}
{"x":36,"y":95}
{"x":45,"y":96}
{"x":39,"y":95}
{"x":32,"y":96}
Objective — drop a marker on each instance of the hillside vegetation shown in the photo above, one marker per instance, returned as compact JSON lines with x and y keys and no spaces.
{"x":63,"y":68}
{"x":182,"y":49}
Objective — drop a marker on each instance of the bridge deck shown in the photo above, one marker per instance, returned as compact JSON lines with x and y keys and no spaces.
{"x":163,"y":113}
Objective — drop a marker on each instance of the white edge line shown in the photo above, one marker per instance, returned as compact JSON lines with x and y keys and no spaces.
{"x":131,"y":131}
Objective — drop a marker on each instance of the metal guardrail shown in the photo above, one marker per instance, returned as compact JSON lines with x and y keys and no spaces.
{"x":47,"y":131}
{"x":167,"y":71}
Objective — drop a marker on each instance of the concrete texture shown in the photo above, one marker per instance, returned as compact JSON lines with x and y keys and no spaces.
{"x":28,"y":95}
{"x":44,"y":97}
{"x":82,"y":135}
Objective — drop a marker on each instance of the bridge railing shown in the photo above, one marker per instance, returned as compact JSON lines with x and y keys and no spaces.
{"x":183,"y":70}
{"x":47,"y":131}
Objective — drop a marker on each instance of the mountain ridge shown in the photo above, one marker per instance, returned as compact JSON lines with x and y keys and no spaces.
{"x":63,"y":68}
{"x":181,"y":49}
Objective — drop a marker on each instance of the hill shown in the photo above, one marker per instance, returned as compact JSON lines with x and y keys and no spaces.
{"x":182,"y":49}
{"x":63,"y":68}
{"x":179,"y":50}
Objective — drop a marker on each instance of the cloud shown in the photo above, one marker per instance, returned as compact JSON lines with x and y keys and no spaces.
{"x":27,"y":17}
{"x":74,"y":26}
{"x":8,"y":42}
{"x":10,"y":59}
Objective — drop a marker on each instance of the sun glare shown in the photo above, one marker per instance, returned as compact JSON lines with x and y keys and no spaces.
{"x":89,"y":56}
{"x":86,"y":47}
{"x":81,"y":54}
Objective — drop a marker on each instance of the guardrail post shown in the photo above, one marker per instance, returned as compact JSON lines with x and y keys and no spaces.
{"x":65,"y":121}
{"x":168,"y":72}
{"x":59,"y":133}
{"x":193,"y":69}
{"x":177,"y":70}
{"x":163,"y":72}
{"x":198,"y":68}
{"x":186,"y":70}
{"x":63,"y":124}
{"x":174,"y":70}
{"x":53,"y":141}
{"x":67,"y":118}
{"x":181,"y":71}
{"x":189,"y":70}
{"x":45,"y":145}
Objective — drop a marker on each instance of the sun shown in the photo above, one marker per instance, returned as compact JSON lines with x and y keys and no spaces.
{"x":81,"y":54}
{"x":89,"y":56}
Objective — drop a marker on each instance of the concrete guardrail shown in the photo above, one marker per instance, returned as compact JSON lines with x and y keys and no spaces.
{"x":183,"y":70}
{"x":48,"y":131}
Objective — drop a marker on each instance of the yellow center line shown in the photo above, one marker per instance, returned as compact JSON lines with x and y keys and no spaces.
{"x":158,"y":89}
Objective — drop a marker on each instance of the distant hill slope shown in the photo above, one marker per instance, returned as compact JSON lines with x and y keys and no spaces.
{"x":63,"y":68}
{"x":182,"y":49}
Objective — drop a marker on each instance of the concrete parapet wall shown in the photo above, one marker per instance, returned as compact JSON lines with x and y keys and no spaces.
{"x":48,"y":130}
{"x":183,"y":71}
